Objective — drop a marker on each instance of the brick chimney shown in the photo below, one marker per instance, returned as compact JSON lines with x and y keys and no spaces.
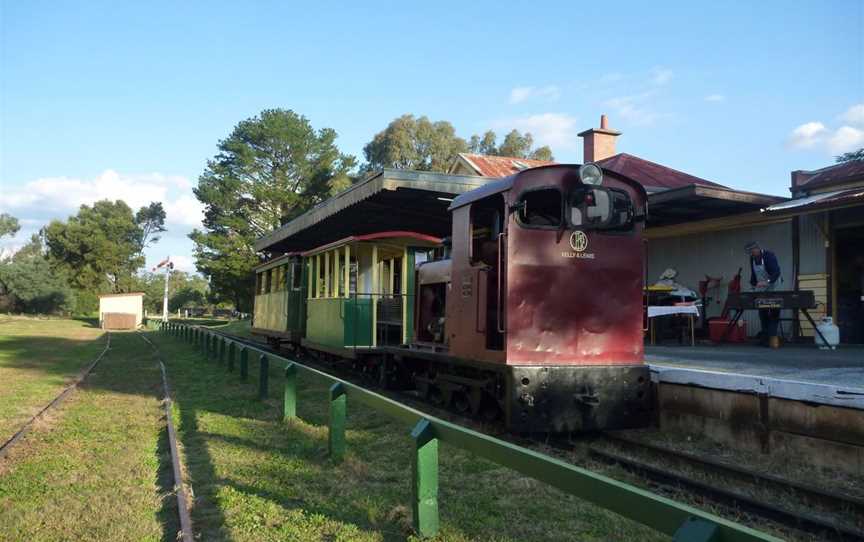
{"x":599,"y":142}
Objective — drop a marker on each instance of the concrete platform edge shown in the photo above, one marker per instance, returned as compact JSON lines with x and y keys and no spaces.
{"x":842,"y":396}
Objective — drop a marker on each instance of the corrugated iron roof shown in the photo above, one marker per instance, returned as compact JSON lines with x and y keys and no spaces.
{"x":386,"y":200}
{"x":819,"y":202}
{"x":654,"y":177}
{"x":836,"y":174}
{"x":500,"y":166}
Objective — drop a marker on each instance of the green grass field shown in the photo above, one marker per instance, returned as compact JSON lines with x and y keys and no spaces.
{"x":257,"y":478}
{"x":38,"y":358}
{"x":97,"y":467}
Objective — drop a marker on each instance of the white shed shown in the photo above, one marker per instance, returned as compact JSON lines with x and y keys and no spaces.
{"x":121,"y":311}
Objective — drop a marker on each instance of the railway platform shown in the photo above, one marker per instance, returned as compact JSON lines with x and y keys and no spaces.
{"x":807,"y":363}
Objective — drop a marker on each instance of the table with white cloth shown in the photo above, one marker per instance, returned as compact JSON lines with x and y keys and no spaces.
{"x":655,"y":311}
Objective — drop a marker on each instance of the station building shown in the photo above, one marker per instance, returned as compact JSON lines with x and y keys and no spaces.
{"x":121,"y":311}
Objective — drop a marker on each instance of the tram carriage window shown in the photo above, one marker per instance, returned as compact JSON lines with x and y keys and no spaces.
{"x":296,"y":276}
{"x":352,"y":277}
{"x":265,"y":287}
{"x":541,"y":208}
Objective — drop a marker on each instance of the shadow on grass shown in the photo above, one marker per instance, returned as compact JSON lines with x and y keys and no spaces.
{"x":91,"y":321}
{"x":236,"y":442}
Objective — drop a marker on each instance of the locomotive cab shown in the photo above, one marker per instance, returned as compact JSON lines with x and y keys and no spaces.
{"x":546,"y":282}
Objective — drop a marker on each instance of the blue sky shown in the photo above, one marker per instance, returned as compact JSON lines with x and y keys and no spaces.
{"x":128,"y":100}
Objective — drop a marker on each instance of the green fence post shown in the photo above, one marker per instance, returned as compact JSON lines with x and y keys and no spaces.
{"x":336,"y":437}
{"x":290,"y":404}
{"x":424,"y":480}
{"x":231,"y":349}
{"x":263,"y":376}
{"x":697,"y":530}
{"x":222,"y":347}
{"x":244,"y":363}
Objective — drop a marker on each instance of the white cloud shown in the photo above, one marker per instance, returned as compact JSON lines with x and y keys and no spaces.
{"x":716,"y":98}
{"x":57,"y":197}
{"x":558,"y":130}
{"x":854,"y":115}
{"x":633,"y":109}
{"x":185,"y":210}
{"x":845,"y":139}
{"x":521,"y":94}
{"x":807,"y":135}
{"x":816,"y":135}
{"x":661,"y":76}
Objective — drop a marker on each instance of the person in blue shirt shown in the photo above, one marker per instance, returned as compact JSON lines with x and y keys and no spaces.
{"x":764,"y":277}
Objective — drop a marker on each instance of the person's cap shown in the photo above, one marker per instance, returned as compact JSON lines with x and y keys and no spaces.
{"x":751,"y":245}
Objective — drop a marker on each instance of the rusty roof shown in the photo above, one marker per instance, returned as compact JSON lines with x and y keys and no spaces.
{"x":837,"y":174}
{"x":500,"y":166}
{"x":654,"y":177}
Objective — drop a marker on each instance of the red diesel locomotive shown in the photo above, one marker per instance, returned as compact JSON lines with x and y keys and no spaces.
{"x":531,"y":312}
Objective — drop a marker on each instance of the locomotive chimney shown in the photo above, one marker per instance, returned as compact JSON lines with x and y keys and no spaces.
{"x":599,"y":143}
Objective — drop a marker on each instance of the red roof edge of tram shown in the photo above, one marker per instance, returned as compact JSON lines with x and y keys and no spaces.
{"x":373,"y":236}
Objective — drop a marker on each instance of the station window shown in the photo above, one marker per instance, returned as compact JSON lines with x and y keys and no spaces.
{"x":541,"y":208}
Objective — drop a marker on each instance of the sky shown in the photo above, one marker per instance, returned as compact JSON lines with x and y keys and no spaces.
{"x":128,"y":100}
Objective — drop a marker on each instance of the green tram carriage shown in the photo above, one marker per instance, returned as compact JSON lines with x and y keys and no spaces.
{"x":322,"y":289}
{"x":361,"y":291}
{"x":280,"y":299}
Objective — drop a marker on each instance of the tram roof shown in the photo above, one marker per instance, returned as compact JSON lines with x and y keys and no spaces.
{"x":387,"y":200}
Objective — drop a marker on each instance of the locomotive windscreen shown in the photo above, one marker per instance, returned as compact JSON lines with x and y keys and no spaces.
{"x":602,"y":208}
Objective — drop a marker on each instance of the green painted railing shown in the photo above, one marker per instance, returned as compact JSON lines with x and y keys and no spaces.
{"x":682,"y":522}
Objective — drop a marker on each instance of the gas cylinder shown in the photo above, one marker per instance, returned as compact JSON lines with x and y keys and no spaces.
{"x":830,"y":332}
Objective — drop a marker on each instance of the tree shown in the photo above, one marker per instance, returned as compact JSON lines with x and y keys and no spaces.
{"x":414,"y":143}
{"x":418,"y":143}
{"x":852,"y":156}
{"x":30,"y":284}
{"x":270,"y":169}
{"x":484,"y":145}
{"x":151,"y":220}
{"x":101,"y":247}
{"x":9,"y":225}
{"x":153,"y":286}
{"x":517,"y":145}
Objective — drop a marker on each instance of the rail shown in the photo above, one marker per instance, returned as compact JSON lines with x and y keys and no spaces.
{"x":682,"y":522}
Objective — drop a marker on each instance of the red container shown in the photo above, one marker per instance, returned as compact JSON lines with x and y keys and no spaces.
{"x":717,"y":327}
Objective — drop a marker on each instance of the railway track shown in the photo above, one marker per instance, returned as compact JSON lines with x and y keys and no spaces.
{"x":635,"y":459}
{"x":186,"y":534}
{"x":735,"y":502}
{"x":57,"y":401}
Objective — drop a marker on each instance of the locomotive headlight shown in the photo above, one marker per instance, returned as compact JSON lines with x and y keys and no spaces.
{"x":590,"y":174}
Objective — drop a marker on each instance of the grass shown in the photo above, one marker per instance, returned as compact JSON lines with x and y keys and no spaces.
{"x":38,"y":358}
{"x":97,"y":468}
{"x":258,"y":478}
